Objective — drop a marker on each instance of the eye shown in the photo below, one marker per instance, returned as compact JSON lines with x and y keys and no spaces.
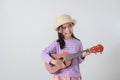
{"x":71,"y":25}
{"x":63,"y":27}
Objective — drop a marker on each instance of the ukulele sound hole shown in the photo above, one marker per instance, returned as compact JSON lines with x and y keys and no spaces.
{"x":62,"y":59}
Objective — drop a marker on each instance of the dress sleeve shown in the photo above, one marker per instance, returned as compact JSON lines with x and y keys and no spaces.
{"x":81,"y":49}
{"x":45,"y":54}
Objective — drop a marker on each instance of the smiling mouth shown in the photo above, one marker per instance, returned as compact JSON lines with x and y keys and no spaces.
{"x":69,"y":33}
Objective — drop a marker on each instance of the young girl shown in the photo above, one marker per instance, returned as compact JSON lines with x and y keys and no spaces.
{"x":66,"y":42}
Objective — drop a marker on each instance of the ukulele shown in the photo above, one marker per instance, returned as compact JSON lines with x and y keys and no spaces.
{"x":66,"y":58}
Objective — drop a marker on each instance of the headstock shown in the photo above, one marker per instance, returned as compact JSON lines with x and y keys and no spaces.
{"x":97,"y":48}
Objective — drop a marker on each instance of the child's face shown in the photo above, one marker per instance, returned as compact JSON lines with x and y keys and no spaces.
{"x":67,"y":30}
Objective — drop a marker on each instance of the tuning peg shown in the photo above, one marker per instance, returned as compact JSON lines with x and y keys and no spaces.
{"x":95,"y":53}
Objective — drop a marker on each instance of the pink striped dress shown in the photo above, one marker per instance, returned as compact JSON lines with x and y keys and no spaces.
{"x":67,"y":78}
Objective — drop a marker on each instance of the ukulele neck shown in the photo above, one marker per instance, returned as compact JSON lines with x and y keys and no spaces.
{"x":71,"y":56}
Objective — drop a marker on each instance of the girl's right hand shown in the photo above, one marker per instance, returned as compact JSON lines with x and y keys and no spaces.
{"x":58,"y":63}
{"x":53,"y":61}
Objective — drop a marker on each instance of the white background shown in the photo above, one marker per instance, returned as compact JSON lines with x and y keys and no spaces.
{"x":26,"y":27}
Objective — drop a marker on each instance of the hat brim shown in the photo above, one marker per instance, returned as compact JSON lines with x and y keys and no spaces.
{"x":64,"y":22}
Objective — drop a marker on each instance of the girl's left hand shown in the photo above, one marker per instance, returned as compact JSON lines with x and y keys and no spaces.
{"x":84,"y":54}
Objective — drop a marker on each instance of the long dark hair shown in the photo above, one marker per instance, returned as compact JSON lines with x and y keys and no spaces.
{"x":61,"y":39}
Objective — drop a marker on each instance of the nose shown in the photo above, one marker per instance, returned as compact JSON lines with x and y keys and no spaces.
{"x":67,"y":28}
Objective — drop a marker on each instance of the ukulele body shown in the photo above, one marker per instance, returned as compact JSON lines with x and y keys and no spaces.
{"x":56,"y":68}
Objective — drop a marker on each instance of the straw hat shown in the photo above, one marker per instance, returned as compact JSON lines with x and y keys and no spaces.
{"x":62,"y":19}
